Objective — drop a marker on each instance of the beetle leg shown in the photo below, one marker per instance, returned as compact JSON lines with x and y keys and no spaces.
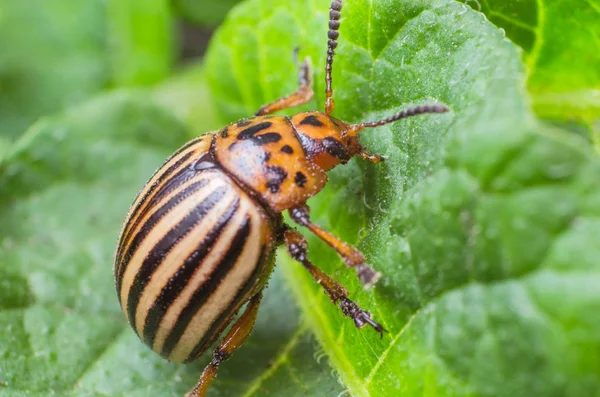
{"x":297,"y":247}
{"x":373,"y":158}
{"x":300,"y":97}
{"x":351,"y":256}
{"x":235,"y":338}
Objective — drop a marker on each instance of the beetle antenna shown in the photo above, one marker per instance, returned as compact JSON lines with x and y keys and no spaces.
{"x":421,"y":109}
{"x":332,"y":34}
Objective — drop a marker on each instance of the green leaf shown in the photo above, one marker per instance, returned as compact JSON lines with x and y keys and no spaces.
{"x":481,"y":220}
{"x":207,"y":13}
{"x":65,"y":188}
{"x":561,"y":43}
{"x":5,"y":146}
{"x":59,"y":52}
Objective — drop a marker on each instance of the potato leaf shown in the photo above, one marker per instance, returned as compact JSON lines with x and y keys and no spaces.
{"x":481,"y":220}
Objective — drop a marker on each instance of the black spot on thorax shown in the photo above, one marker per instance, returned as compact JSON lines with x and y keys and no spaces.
{"x":243,"y":123}
{"x":250,"y":134}
{"x":335,"y":148}
{"x":300,"y":179}
{"x":275,"y":177}
{"x":311,"y":120}
{"x":269,"y":137}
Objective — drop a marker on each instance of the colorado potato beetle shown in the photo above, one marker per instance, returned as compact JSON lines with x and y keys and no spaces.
{"x":199,"y":240}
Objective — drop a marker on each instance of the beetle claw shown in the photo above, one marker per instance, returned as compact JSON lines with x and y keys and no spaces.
{"x":360,"y":317}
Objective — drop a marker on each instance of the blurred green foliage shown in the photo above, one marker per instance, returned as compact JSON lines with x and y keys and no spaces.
{"x":207,"y":13}
{"x":483,"y":220}
{"x":55,"y":53}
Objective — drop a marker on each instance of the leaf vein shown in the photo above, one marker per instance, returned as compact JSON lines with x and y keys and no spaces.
{"x":385,"y":353}
{"x":279,"y":361}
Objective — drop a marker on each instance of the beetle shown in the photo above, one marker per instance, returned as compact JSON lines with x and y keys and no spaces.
{"x":198,"y":242}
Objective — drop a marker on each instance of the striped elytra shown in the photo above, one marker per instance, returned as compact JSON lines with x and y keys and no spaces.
{"x":198,"y":242}
{"x":194,"y":247}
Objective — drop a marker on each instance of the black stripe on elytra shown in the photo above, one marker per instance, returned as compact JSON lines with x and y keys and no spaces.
{"x":205,"y":291}
{"x":223,"y":320}
{"x":243,"y":123}
{"x":161,"y":178}
{"x":184,"y":174}
{"x":311,"y":120}
{"x":335,"y":148}
{"x":152,"y":221}
{"x":135,"y":212}
{"x":188,"y":145}
{"x":275,"y":176}
{"x":300,"y":179}
{"x":180,"y":178}
{"x":184,"y":273}
{"x":287,"y":149}
{"x":168,"y":241}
